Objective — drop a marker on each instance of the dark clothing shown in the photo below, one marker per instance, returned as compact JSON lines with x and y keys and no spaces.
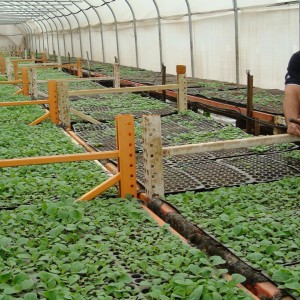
{"x":293,"y":74}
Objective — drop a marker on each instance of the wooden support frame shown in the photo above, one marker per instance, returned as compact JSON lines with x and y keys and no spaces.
{"x":156,"y":156}
{"x":126,"y":177}
{"x":65,"y":108}
{"x":52,"y":101}
{"x":181,"y":86}
{"x":230,"y":144}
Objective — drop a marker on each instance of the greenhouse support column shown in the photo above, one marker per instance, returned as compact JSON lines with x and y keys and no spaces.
{"x":135,"y":34}
{"x":101,"y":29}
{"x":191,"y":38}
{"x":116,"y":27}
{"x":159,"y":32}
{"x":236,"y":32}
{"x":89,"y":26}
{"x":152,"y":156}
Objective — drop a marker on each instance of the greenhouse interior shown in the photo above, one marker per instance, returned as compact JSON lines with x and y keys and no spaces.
{"x":130,"y":171}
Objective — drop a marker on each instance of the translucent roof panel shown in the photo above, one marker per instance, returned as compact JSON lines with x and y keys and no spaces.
{"x":202,"y":6}
{"x":143,"y":10}
{"x":253,"y":3}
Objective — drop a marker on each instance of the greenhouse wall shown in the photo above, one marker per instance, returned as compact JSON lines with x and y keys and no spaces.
{"x":267,"y":37}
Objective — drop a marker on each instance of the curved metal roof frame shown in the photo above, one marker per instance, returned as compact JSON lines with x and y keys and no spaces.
{"x":51,"y":7}
{"x":101,"y":29}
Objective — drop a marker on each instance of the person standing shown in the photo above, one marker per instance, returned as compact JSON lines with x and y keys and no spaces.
{"x":291,"y":102}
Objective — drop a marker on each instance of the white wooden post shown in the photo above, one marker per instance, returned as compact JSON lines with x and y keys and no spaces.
{"x":59,"y":61}
{"x":64,"y":104}
{"x":152,"y":156}
{"x":9,"y":70}
{"x":182,"y":92}
{"x":279,"y":120}
{"x":33,"y":83}
{"x":116,"y":75}
{"x":25,"y":53}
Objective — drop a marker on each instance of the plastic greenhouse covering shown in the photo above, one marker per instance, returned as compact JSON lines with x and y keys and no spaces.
{"x":215,"y":39}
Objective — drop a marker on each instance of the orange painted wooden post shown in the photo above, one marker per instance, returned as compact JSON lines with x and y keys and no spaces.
{"x":25,"y":82}
{"x":44,"y":57}
{"x":79,"y":67}
{"x":53,"y":101}
{"x":126,"y":161}
{"x":16,"y":70}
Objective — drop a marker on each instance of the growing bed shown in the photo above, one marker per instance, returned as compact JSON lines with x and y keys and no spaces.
{"x":53,"y":248}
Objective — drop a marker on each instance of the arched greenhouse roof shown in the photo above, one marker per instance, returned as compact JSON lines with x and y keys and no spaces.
{"x":214,"y":39}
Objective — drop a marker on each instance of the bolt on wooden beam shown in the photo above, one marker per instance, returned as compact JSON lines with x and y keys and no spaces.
{"x":152,"y":155}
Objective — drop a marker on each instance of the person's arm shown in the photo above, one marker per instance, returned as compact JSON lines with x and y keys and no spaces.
{"x":291,"y":108}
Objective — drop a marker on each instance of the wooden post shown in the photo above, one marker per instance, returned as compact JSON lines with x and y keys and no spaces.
{"x":249,"y":122}
{"x":44,"y":57}
{"x":25,"y":82}
{"x":152,"y":156}
{"x":16,"y":70}
{"x":163,"y":80}
{"x":2,"y":64}
{"x":69,"y":58}
{"x":79,"y":67}
{"x":89,"y":63}
{"x":25,"y":53}
{"x":279,"y":120}
{"x":126,"y":160}
{"x":64,"y":104}
{"x":59,"y":62}
{"x":116,"y":75}
{"x":182,"y":92}
{"x":33,"y":83}
{"x":53,"y":101}
{"x":8,"y":69}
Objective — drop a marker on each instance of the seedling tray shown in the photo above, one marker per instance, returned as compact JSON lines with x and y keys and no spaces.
{"x":195,"y":172}
{"x":263,"y":168}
